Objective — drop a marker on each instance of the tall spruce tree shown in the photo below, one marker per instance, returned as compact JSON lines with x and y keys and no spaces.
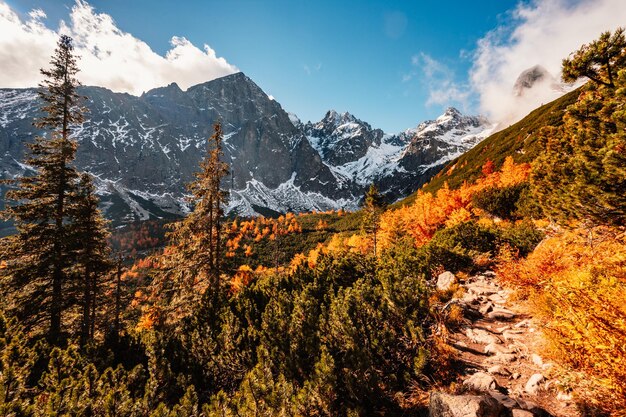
{"x":39,"y":255}
{"x":193,"y":263}
{"x":89,"y":234}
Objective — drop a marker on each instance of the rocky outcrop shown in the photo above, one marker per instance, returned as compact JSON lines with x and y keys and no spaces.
{"x":444,"y":405}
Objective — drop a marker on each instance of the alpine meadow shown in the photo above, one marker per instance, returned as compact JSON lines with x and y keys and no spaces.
{"x":173,"y":243}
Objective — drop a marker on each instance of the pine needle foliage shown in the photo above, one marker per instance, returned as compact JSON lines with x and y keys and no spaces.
{"x":40,"y":254}
{"x":582,"y":173}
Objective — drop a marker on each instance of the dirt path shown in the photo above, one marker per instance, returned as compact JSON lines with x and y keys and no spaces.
{"x":497,"y":348}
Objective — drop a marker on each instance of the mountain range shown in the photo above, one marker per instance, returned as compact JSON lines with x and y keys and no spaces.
{"x":142,"y":150}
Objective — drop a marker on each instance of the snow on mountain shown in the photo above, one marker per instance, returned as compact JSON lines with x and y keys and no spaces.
{"x":142,"y":150}
{"x":357,"y":153}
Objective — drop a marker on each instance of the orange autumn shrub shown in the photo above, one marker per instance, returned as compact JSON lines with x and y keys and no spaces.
{"x":429,"y":213}
{"x":577,"y":284}
{"x":242,"y":278}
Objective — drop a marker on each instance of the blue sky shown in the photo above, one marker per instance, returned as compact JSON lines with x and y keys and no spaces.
{"x":393,"y":64}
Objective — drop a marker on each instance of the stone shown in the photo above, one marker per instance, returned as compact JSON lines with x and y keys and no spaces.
{"x":485,"y":308}
{"x":504,"y":399}
{"x":445,"y":281}
{"x":502,"y":329}
{"x":494,"y":349}
{"x":512,"y":335}
{"x":497,"y":298}
{"x":481,"y":289}
{"x":534,"y":384}
{"x":499,"y":370}
{"x":501,"y":314}
{"x":481,"y":336}
{"x":536,"y":359}
{"x":516,"y":412}
{"x":445,"y":405}
{"x":523,"y":323}
{"x":516,"y":375}
{"x":481,"y":381}
{"x":503,"y":358}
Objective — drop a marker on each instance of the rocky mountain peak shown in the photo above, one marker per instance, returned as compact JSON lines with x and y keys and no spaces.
{"x":341,"y":137}
{"x":143,"y":150}
{"x":452,"y":131}
{"x":533,"y":76}
{"x":170,"y":91}
{"x":450,"y":113}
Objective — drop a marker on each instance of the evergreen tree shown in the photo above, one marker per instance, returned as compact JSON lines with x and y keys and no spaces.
{"x":599,"y":61}
{"x":192,"y":266}
{"x":89,"y":233}
{"x":373,"y":206}
{"x":40,"y":254}
{"x":16,"y":363}
{"x":582,"y":173}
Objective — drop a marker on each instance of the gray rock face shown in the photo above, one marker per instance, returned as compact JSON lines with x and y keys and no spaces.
{"x":435,"y":140}
{"x":342,"y":138}
{"x":398,"y":164}
{"x":444,"y":405}
{"x":143,"y":150}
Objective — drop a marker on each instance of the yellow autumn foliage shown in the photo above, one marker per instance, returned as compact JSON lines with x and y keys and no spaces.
{"x":576,"y":281}
{"x":447,"y":207}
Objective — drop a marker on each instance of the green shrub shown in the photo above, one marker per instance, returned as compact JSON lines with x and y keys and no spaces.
{"x":501,"y":202}
{"x":523,"y":237}
{"x":455,"y":248}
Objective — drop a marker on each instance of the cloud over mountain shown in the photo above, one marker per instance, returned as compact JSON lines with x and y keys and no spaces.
{"x":26,"y":44}
{"x":541,"y":32}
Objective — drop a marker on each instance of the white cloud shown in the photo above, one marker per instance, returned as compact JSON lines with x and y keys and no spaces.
{"x":541,"y":33}
{"x":439,"y":80}
{"x":109,"y":57}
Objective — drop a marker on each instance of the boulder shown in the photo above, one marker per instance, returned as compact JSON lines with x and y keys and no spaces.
{"x":502,"y":358}
{"x":481,"y":336}
{"x":445,"y":281}
{"x":499,"y":370}
{"x":481,"y":381}
{"x":501,"y":314}
{"x":445,"y":405}
{"x":534,"y":383}
{"x":485,"y":308}
{"x":506,"y":401}
{"x":494,"y":349}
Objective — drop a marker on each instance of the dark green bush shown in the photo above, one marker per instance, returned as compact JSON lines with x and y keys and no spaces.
{"x":501,"y":202}
{"x":455,"y":248}
{"x":523,"y":237}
